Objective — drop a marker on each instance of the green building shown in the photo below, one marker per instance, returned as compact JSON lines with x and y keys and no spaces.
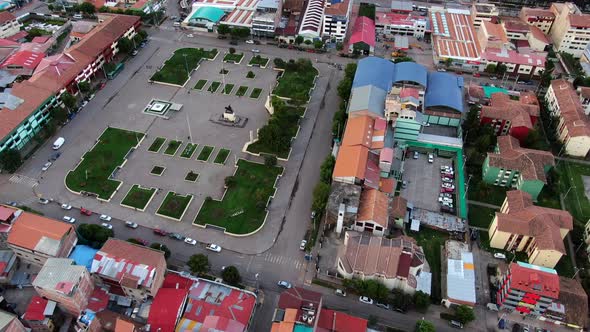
{"x":515,"y":167}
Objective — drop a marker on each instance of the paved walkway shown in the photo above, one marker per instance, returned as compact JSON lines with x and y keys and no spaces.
{"x":572,"y":160}
{"x":491,"y":206}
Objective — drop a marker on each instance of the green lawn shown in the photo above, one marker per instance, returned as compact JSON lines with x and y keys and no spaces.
{"x":157,"y":144}
{"x":175,"y":69}
{"x":92,"y":174}
{"x":572,"y":186}
{"x":188,"y":151}
{"x":214,"y":86}
{"x":487,"y":193}
{"x":172,"y":147}
{"x":227,"y":89}
{"x":241,"y":91}
{"x":431,"y":242}
{"x":295,"y":83}
{"x":221,"y":156}
{"x":548,"y":199}
{"x":205,"y":153}
{"x":255,"y":93}
{"x":191,"y":176}
{"x":565,"y":267}
{"x":235,"y":58}
{"x":174,"y":205}
{"x":480,"y":216}
{"x":242,"y":209}
{"x":138,"y":197}
{"x":257,"y":60}
{"x":200,"y":84}
{"x":157,"y":170}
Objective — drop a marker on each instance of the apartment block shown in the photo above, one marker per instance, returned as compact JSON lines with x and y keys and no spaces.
{"x":481,"y":12}
{"x":538,"y":17}
{"x":39,"y":314}
{"x":336,"y":19}
{"x":570,"y":31}
{"x":266,"y":18}
{"x":511,"y":117}
{"x":392,"y":24}
{"x":10,"y":323}
{"x":9,"y":25}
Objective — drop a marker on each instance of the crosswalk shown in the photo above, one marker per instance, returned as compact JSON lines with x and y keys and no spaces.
{"x":282,"y":260}
{"x":24,"y":180}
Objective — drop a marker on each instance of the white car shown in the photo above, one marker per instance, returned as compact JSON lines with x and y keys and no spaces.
{"x":366,"y":300}
{"x":66,"y":206}
{"x":446,"y":168}
{"x":302,"y":245}
{"x":255,"y":50}
{"x":416,"y":155}
{"x":104,"y":217}
{"x":43,"y":201}
{"x":84,"y":103}
{"x":46,"y":166}
{"x":499,"y":255}
{"x":249,"y":41}
{"x":447,"y":204}
{"x":213,"y":247}
{"x":445,"y":199}
{"x":190,"y":35}
{"x":447,"y":185}
{"x":131,"y":224}
{"x":447,"y":180}
{"x":91,"y":97}
{"x":190,"y":241}
{"x":69,"y":219}
{"x":441,"y":69}
{"x":107,"y":226}
{"x":430,"y":158}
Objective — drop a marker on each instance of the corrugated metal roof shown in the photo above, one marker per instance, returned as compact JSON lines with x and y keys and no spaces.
{"x":5,"y":319}
{"x":374,"y":71}
{"x":369,"y":98}
{"x":412,"y":72}
{"x":59,"y":271}
{"x":444,"y":90}
{"x":461,"y":278}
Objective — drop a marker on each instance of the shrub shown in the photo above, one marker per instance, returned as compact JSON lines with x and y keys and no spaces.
{"x":232,"y":50}
{"x":270,"y":160}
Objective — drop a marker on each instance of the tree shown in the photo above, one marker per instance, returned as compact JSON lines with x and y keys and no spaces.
{"x":400,"y":300}
{"x":422,"y":301}
{"x":321,"y":192}
{"x":424,"y":326}
{"x":307,"y":42}
{"x":159,"y":246}
{"x":339,"y":46}
{"x":93,"y":235}
{"x":403,"y":59}
{"x":84,"y":87}
{"x":230,"y":181}
{"x":344,"y":88}
{"x":464,"y":314}
{"x":125,"y":45}
{"x":298,"y":40}
{"x":279,"y":63}
{"x":198,"y":264}
{"x":270,"y":160}
{"x":318,"y":44}
{"x":350,"y":70}
{"x":231,"y":275}
{"x":326,"y":169}
{"x":372,"y":320}
{"x":87,"y":8}
{"x":232,"y":50}
{"x":501,"y":68}
{"x":223,"y":29}
{"x":10,"y":160}
{"x":448,"y":62}
{"x":490,"y":69}
{"x":143,"y":34}
{"x":68,"y":100}
{"x":59,"y":114}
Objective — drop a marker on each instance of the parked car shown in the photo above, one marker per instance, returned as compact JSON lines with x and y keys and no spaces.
{"x":249,"y":41}
{"x":221,"y":37}
{"x":447,"y":209}
{"x":85,"y":211}
{"x":43,"y":201}
{"x":312,"y":214}
{"x":46,"y":166}
{"x":493,"y":78}
{"x":447,"y":185}
{"x":255,"y":50}
{"x":84,"y":103}
{"x":382,"y":305}
{"x":102,"y":85}
{"x":160,"y":232}
{"x":441,"y":69}
{"x":446,"y":179}
{"x":416,"y":155}
{"x":142,"y":241}
{"x":91,"y":96}
{"x":499,"y":255}
{"x":492,"y":307}
{"x":176,"y":236}
{"x":69,"y":219}
{"x":131,"y":224}
{"x":302,"y":245}
{"x":447,"y":190}
{"x":476,"y":75}
{"x":107,"y":226}
{"x":340,"y":292}
{"x":366,"y":300}
{"x":213,"y":247}
{"x":284,"y":284}
{"x":105,"y":217}
{"x":66,"y":206}
{"x":256,"y":42}
{"x":190,"y":241}
{"x":445,"y":195}
{"x":233,"y":42}
{"x":135,"y":52}
{"x":445,"y":199}
{"x":55,"y":156}
{"x":456,"y":324}
{"x":448,"y":204}
{"x":446,"y":168}
{"x":450,"y":175}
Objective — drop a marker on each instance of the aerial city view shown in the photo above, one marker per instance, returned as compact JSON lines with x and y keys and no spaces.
{"x":294,"y":165}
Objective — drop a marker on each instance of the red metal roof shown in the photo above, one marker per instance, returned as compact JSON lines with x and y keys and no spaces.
{"x":175,"y":280}
{"x":534,"y":279}
{"x":40,"y":39}
{"x":363,"y":31}
{"x":25,"y":59}
{"x":166,"y":309}
{"x":335,"y":321}
{"x":36,"y":309}
{"x":98,"y":300}
{"x":17,"y":36}
{"x":6,"y":212}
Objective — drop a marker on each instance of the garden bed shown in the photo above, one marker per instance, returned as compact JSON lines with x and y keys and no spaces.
{"x":241,"y":91}
{"x":172,"y":147}
{"x":188,"y":151}
{"x":221,"y":156}
{"x":213,"y":87}
{"x":177,"y":69}
{"x":157,"y":170}
{"x":235,"y":58}
{"x":227,"y":89}
{"x":242,"y":209}
{"x":174,"y":205}
{"x":200,"y":84}
{"x":257,"y":60}
{"x":157,"y":144}
{"x":138,"y":197}
{"x":255,"y":93}
{"x":205,"y":153}
{"x":296,"y":81}
{"x":93,"y":172}
{"x":191,"y":176}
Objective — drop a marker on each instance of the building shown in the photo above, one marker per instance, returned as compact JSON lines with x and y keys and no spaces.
{"x":513,"y":166}
{"x":516,"y":29}
{"x":336,"y":17}
{"x":481,"y":12}
{"x":267,"y":17}
{"x":538,"y":17}
{"x":34,"y":238}
{"x":392,"y":24}
{"x":39,"y":314}
{"x":129,"y":269}
{"x":460,"y":286}
{"x":62,"y":281}
{"x":9,"y":25}
{"x":511,"y":117}
{"x":373,"y":214}
{"x":167,"y":308}
{"x":528,"y":289}
{"x":454,"y":38}
{"x":492,"y":35}
{"x":573,"y":127}
{"x":10,"y":323}
{"x":399,"y":211}
{"x":7,"y":265}
{"x":584,"y":93}
{"x":536,"y":231}
{"x":310,"y":26}
{"x":569,"y":31}
{"x":573,"y":300}
{"x":336,"y":321}
{"x":396,"y":262}
{"x":362,"y":39}
{"x":22,"y":63}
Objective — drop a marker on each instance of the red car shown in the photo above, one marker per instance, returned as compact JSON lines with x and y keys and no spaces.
{"x":102,"y":85}
{"x":85,"y":212}
{"x":447,"y":190}
{"x":476,"y":75}
{"x":160,"y":232}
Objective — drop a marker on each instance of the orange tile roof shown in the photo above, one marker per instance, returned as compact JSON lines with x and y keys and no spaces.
{"x":351,"y":162}
{"x":537,"y":12}
{"x":519,"y":113}
{"x":539,"y":35}
{"x":105,"y":34}
{"x":456,"y":39}
{"x":30,"y":229}
{"x":495,"y":31}
{"x":374,"y":207}
{"x":572,"y":113}
{"x":530,"y":163}
{"x":399,"y":207}
{"x":359,"y":131}
{"x":340,"y":8}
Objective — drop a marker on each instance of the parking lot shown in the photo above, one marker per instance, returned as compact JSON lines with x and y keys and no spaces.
{"x":423,"y":181}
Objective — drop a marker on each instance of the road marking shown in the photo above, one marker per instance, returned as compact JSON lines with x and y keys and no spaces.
{"x":282,"y":260}
{"x":24,"y":180}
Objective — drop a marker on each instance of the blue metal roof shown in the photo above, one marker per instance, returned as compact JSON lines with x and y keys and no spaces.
{"x":444,"y":90}
{"x":412,"y":72}
{"x":83,"y":255}
{"x":374,"y":71}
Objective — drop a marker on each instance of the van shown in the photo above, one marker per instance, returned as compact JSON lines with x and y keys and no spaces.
{"x":77,"y":16}
{"x":176,"y":24}
{"x":58,"y":143}
{"x":456,"y":324}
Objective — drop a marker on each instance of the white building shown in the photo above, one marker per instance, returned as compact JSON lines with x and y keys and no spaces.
{"x":311,"y":23}
{"x":401,"y":24}
{"x":483,"y":12}
{"x":8,"y":24}
{"x":267,"y":17}
{"x":570,"y":31}
{"x":336,"y":15}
